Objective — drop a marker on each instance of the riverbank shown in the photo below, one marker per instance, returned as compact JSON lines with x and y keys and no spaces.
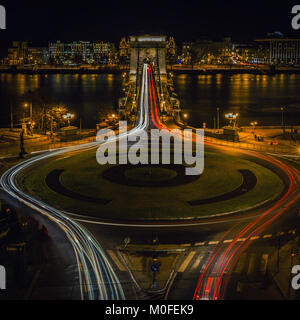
{"x":233,"y":69}
{"x":102,"y":69}
{"x":176,"y":69}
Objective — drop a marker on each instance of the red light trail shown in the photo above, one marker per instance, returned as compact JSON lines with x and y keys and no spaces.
{"x":222,"y":259}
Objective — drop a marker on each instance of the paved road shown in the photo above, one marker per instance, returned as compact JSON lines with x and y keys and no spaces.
{"x":216,"y":245}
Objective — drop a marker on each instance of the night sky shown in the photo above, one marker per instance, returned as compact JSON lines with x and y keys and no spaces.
{"x":112,"y":19}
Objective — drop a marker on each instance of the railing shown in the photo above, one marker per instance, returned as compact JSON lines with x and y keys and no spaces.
{"x":158,"y":71}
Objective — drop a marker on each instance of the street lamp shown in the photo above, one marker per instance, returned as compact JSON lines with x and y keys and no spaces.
{"x":232,"y":117}
{"x":282,"y":117}
{"x":30,"y":110}
{"x":185,"y":116}
{"x":113,"y":116}
{"x":68,"y":117}
{"x":253,"y":124}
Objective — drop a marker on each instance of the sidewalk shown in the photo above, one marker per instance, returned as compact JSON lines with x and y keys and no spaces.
{"x":37,"y":143}
{"x":271,"y":139}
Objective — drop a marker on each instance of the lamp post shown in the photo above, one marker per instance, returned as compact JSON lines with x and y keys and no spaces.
{"x":232,"y":117}
{"x":218,"y":118}
{"x":282,"y":121}
{"x":30,"y":109}
{"x":31,"y":126}
{"x":185,"y":116}
{"x":253,"y":124}
{"x":68,"y":117}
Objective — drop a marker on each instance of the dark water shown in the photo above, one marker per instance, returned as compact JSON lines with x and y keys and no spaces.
{"x":254,"y":97}
{"x":84,"y":95}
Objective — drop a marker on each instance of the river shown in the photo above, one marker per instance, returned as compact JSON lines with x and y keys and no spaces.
{"x":255,"y":97}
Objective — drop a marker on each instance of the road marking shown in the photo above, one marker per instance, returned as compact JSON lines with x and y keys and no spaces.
{"x":200,"y":243}
{"x":116,"y":260}
{"x":228,"y":241}
{"x":267,"y":236}
{"x":254,"y":238}
{"x":241,"y":239}
{"x":280,"y":233}
{"x":186,"y":261}
{"x":213,"y":242}
{"x":185,"y":245}
{"x":264,"y":263}
{"x":196,"y":263}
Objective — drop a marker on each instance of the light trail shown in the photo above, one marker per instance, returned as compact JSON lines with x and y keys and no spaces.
{"x":225,"y":257}
{"x":96,"y":276}
{"x":222,"y":259}
{"x":97,"y":279}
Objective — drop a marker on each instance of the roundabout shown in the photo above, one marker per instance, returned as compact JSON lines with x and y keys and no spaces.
{"x":78,"y":184}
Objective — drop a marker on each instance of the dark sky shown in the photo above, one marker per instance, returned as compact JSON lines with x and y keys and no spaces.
{"x":112,"y":19}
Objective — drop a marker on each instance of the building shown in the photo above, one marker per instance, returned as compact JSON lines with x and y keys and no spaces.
{"x":124,"y":51}
{"x":17,"y":53}
{"x":207,"y":51}
{"x":147,"y":47}
{"x":171,"y":51}
{"x":23,"y":53}
{"x":281,"y":50}
{"x":185,"y":57}
{"x":252,"y":52}
{"x":78,"y":52}
{"x":104,"y":52}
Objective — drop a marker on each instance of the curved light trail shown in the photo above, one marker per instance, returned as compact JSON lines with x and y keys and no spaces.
{"x":96,"y":275}
{"x":97,"y":279}
{"x":214,"y":279}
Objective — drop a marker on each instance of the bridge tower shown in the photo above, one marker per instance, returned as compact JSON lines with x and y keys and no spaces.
{"x":152,"y":48}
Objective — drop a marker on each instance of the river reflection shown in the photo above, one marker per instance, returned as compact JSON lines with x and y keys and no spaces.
{"x":254,"y":97}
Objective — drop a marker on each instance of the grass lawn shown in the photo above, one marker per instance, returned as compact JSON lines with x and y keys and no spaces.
{"x":83,"y":175}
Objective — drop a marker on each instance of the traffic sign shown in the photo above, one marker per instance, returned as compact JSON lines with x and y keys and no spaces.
{"x":154,"y":267}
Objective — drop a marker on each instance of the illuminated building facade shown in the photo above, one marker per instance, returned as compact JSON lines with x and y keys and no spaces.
{"x":82,"y":52}
{"x":281,"y":50}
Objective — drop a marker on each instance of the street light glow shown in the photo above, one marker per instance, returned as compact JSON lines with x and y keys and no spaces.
{"x":232,"y":116}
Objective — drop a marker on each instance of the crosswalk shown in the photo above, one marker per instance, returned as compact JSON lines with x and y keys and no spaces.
{"x":186,"y":262}
{"x":116,"y":260}
{"x":248,"y":264}
{"x":194,"y":260}
{"x":251,"y":264}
